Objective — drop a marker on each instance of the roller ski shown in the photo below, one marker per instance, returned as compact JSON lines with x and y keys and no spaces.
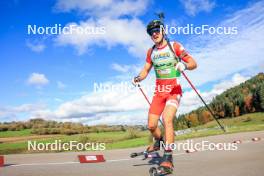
{"x":150,"y":152}
{"x":165,"y":168}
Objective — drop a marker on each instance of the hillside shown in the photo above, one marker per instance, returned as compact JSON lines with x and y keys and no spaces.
{"x":46,"y":127}
{"x":248,"y":97}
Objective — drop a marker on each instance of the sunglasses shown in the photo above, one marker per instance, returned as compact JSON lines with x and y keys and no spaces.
{"x":155,"y":30}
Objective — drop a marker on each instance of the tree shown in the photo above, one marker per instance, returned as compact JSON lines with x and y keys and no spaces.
{"x":237,"y":111}
{"x":261,"y":97}
{"x":248,"y":103}
{"x":206,"y":116}
{"x":193,"y":118}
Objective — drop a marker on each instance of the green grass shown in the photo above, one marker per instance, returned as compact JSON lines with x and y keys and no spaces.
{"x":128,"y":143}
{"x":118,"y":140}
{"x":106,"y":136}
{"x":244,"y":123}
{"x":112,"y":140}
{"x":244,"y":120}
{"x":4,"y":134}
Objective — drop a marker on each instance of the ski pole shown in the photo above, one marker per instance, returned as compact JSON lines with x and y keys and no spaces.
{"x":161,"y":17}
{"x":209,"y":109}
{"x":188,"y":80}
{"x":141,"y":90}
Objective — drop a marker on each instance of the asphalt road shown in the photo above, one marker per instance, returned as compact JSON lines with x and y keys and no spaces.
{"x":247,"y":160}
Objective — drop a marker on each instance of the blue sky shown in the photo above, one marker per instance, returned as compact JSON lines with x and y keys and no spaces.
{"x":53,"y":76}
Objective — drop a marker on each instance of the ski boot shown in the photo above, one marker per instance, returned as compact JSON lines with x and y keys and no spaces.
{"x":166,"y":166}
{"x":155,"y":146}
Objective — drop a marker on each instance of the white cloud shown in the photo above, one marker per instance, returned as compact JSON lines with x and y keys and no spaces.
{"x":36,"y":47}
{"x":191,"y":101}
{"x":128,"y":32}
{"x":14,"y":113}
{"x":120,"y":68}
{"x":114,"y":107}
{"x":193,"y":7}
{"x":221,"y":55}
{"x":61,"y":85}
{"x":125,"y":68}
{"x":103,"y":8}
{"x":37,"y":79}
{"x":236,"y":80}
{"x":135,"y":118}
{"x":58,"y":100}
{"x":95,"y":105}
{"x":119,"y":107}
{"x":83,"y":5}
{"x":28,"y":107}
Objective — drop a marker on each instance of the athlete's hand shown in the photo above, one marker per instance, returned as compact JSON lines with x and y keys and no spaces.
{"x":181,"y":66}
{"x":136,"y":80}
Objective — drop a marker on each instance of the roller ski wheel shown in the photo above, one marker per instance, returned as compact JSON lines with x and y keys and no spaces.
{"x":166,"y":167}
{"x":160,"y":171}
{"x":153,"y":171}
{"x":151,"y":149}
{"x":133,"y":155}
{"x":144,"y":154}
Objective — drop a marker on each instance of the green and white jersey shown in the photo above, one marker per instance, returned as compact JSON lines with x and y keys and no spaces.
{"x":164,"y":62}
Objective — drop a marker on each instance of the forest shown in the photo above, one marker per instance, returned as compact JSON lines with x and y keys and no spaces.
{"x":248,"y":97}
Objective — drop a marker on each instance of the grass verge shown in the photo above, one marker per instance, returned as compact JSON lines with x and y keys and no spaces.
{"x":129,"y":139}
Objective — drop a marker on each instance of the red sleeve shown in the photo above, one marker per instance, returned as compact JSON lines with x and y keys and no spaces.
{"x":180,"y":52}
{"x":148,"y":58}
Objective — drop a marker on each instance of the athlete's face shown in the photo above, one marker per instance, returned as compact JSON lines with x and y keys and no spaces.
{"x":157,"y":36}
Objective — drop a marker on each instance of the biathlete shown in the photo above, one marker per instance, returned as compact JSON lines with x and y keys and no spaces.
{"x":168,"y":91}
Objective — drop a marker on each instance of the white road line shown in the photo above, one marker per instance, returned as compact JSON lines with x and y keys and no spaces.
{"x":127,"y":159}
{"x":116,"y":160}
{"x":39,"y":164}
{"x":71,"y":162}
{"x":177,"y":154}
